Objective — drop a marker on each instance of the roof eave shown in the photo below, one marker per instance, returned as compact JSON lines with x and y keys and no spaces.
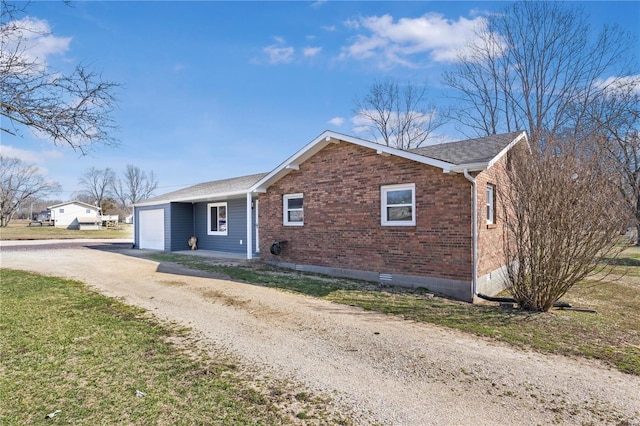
{"x":198,"y":199}
{"x":470,"y":167}
{"x":506,"y":149}
{"x":327,"y":137}
{"x":484,"y":165}
{"x":73,"y":202}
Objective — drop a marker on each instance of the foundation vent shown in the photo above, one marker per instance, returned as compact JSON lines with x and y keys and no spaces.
{"x":300,"y":268}
{"x":385,"y":277}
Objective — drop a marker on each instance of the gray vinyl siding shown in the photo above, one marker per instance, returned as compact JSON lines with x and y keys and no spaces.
{"x":167,"y":226}
{"x":183,"y":220}
{"x":181,"y":226}
{"x":236,"y":228}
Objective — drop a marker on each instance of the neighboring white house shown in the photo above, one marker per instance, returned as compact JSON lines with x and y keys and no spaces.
{"x":75,"y":215}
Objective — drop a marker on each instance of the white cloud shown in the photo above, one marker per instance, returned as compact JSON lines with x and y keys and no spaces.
{"x":311,"y":51}
{"x":329,"y":28}
{"x":394,"y":42}
{"x":318,"y":3}
{"x":337,"y":121}
{"x":620,"y":84}
{"x":278,"y":55}
{"x":31,"y":39}
{"x":29,"y":156}
{"x":353,"y":24}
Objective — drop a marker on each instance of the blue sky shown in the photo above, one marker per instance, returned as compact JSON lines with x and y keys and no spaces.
{"x":212,"y":90}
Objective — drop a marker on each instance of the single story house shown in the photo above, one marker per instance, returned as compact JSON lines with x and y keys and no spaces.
{"x":75,"y":215}
{"x":345,"y":206}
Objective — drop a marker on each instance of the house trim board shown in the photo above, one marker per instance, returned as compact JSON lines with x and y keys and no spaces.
{"x":328,"y":137}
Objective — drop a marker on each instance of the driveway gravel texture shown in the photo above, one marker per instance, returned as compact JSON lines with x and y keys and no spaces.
{"x":375,"y":368}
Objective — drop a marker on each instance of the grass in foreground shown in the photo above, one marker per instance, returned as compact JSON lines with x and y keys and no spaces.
{"x":612,"y":335}
{"x":19,"y":230}
{"x":67,"y":348}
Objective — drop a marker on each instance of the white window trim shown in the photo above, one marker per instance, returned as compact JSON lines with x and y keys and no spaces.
{"x":383,"y":204}
{"x":491,"y":204}
{"x":285,"y":210}
{"x":209,"y":231}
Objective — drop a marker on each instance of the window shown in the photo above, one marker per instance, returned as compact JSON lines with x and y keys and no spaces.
{"x":88,"y":211}
{"x":217,"y":218}
{"x":398,"y":203}
{"x":293,"y":210}
{"x":61,"y":210}
{"x":491,"y":204}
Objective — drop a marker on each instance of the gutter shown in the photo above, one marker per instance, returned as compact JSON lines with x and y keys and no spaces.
{"x":474,"y":222}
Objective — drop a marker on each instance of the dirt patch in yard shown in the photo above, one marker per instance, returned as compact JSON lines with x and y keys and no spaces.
{"x":377,"y":369}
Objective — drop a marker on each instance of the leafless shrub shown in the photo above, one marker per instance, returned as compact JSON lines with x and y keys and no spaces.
{"x":563,"y":213}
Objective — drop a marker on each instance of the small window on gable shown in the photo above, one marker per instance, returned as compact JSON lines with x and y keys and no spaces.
{"x":61,"y":210}
{"x":398,"y":204}
{"x":491,"y":204}
{"x":293,"y":210}
{"x":88,"y":210}
{"x":217,"y":219}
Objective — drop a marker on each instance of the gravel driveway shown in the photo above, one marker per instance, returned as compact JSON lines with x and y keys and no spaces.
{"x":378,"y":369}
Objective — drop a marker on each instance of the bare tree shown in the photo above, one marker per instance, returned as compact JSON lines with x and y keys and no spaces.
{"x":395,"y":115}
{"x":562,"y":216}
{"x":537,"y":67}
{"x":97,"y":185}
{"x":540,"y":67}
{"x":71,"y":109}
{"x":614,"y":124}
{"x":134,"y":186}
{"x":20,"y":183}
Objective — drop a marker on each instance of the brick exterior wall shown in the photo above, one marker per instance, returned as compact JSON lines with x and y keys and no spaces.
{"x":490,"y":237}
{"x":341,"y":187}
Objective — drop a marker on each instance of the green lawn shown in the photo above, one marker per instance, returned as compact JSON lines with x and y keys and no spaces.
{"x":20,"y":230}
{"x":611,"y":335}
{"x":67,"y":348}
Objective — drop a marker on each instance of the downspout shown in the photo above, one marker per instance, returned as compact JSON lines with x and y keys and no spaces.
{"x":249,"y":228}
{"x":474,"y":226}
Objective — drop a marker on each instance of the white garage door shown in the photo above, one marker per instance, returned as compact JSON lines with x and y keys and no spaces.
{"x":151,"y":229}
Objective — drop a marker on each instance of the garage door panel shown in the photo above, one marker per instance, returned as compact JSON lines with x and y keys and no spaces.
{"x":151,"y":229}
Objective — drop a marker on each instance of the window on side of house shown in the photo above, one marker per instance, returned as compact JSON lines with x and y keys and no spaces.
{"x":217,"y":219}
{"x":398,"y":204}
{"x":293,"y":210}
{"x":87,"y":210}
{"x":61,"y":210}
{"x":491,"y":204}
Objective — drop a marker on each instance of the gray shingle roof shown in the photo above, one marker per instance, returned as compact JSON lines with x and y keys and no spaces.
{"x":468,"y":151}
{"x":208,"y":189}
